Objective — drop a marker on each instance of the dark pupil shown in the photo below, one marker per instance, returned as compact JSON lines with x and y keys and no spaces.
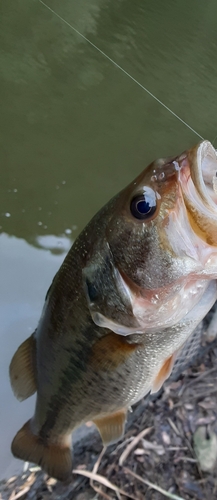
{"x":143,"y":207}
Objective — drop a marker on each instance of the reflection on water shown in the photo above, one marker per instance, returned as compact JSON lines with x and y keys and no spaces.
{"x":26,"y":273}
{"x":75,"y":130}
{"x":56,"y":244}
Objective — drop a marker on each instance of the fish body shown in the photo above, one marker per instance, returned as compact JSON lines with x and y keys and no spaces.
{"x":133,"y":287}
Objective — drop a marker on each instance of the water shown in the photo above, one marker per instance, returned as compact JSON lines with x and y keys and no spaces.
{"x":75,"y":129}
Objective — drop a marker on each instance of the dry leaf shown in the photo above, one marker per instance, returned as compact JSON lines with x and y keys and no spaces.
{"x":205,"y":446}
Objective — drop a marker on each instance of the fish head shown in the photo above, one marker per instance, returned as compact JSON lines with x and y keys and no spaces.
{"x":160,"y":245}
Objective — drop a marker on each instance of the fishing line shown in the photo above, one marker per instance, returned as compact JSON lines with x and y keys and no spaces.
{"x":122,"y":69}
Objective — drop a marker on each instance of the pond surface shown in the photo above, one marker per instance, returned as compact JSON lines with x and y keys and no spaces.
{"x":75,"y":129}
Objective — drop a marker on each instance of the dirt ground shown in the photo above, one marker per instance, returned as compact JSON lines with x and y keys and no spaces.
{"x":156,"y":458}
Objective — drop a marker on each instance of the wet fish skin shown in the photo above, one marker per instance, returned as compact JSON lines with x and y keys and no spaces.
{"x":95,"y":352}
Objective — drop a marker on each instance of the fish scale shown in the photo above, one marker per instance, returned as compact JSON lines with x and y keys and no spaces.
{"x":134,"y":286}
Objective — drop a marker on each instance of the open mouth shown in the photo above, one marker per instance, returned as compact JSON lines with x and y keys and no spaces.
{"x":204,"y":173}
{"x":198,"y":179}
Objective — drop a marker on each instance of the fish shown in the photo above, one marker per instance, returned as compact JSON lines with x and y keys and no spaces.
{"x":134,"y":285}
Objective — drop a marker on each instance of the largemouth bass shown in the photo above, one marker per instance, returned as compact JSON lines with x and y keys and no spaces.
{"x":133,"y":287}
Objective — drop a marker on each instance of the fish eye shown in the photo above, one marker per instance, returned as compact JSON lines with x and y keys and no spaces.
{"x":144,"y":205}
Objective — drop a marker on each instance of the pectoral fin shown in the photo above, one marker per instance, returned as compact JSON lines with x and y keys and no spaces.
{"x":111,"y":427}
{"x":22,"y":370}
{"x":164,"y":373}
{"x":111,"y":351}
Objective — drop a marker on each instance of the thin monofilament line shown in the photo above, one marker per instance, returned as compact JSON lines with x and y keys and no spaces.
{"x":122,"y":69}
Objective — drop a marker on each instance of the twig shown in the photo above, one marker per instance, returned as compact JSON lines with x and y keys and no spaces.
{"x":204,"y":394}
{"x":176,"y":430}
{"x":132,"y":445}
{"x":96,"y":465}
{"x":186,"y":459}
{"x":94,"y":471}
{"x":198,"y":377}
{"x":177,"y":448}
{"x":104,"y":481}
{"x":154,"y":486}
{"x":20,"y":494}
{"x":153,"y":446}
{"x":121,"y":445}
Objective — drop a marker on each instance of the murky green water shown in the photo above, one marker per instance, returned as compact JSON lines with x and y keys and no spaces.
{"x":75,"y":129}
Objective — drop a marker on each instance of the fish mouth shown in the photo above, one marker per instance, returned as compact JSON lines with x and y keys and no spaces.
{"x":198,"y":178}
{"x":204,"y":171}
